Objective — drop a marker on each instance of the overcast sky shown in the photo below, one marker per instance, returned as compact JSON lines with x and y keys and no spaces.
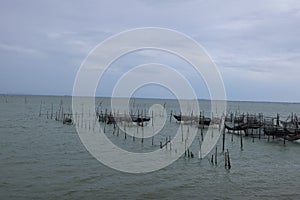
{"x":255,"y":44}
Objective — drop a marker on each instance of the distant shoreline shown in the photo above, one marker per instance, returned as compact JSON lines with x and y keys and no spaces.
{"x":230,"y":100}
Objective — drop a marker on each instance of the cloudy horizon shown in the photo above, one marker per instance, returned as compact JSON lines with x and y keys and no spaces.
{"x":254,"y":44}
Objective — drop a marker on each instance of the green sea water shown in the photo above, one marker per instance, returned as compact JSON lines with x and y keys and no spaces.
{"x":41,"y":158}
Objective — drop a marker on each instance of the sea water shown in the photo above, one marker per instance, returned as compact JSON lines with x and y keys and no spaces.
{"x":41,"y":158}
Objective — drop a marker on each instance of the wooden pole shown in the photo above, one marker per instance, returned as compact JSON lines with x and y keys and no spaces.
{"x":125,"y":131}
{"x":137,"y":127}
{"x":216,"y":156}
{"x":284,"y":138}
{"x":228,"y":160}
{"x":241,"y":136}
{"x":104,"y":129}
{"x":166,"y":142}
{"x":40,"y":110}
{"x":200,"y":154}
{"x":51,"y":111}
{"x":181,"y":131}
{"x":152,"y":121}
{"x":202,"y":125}
{"x":81,"y":115}
{"x":223,"y":146}
{"x":133,"y":137}
{"x":142,"y":132}
{"x":185,"y":147}
{"x":78,"y":118}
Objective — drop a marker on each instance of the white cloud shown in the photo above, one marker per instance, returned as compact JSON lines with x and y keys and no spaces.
{"x":17,"y":49}
{"x":57,"y":35}
{"x":249,"y":39}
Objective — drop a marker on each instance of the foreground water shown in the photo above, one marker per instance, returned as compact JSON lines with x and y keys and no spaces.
{"x":44,"y":159}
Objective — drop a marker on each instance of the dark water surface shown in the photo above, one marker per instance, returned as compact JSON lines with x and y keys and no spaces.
{"x":41,"y":158}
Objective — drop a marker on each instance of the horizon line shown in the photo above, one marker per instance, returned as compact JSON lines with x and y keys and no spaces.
{"x":199,"y":99}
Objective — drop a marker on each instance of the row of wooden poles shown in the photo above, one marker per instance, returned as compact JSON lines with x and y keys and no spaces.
{"x":78,"y":120}
{"x":61,"y":116}
{"x":265,"y":122}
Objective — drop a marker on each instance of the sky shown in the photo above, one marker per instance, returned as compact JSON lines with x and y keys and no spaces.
{"x":255,"y":44}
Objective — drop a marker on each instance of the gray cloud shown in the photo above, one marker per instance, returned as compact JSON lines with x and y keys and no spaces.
{"x":254,"y":43}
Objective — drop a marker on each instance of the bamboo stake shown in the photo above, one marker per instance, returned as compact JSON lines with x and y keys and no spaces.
{"x":216,"y":157}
